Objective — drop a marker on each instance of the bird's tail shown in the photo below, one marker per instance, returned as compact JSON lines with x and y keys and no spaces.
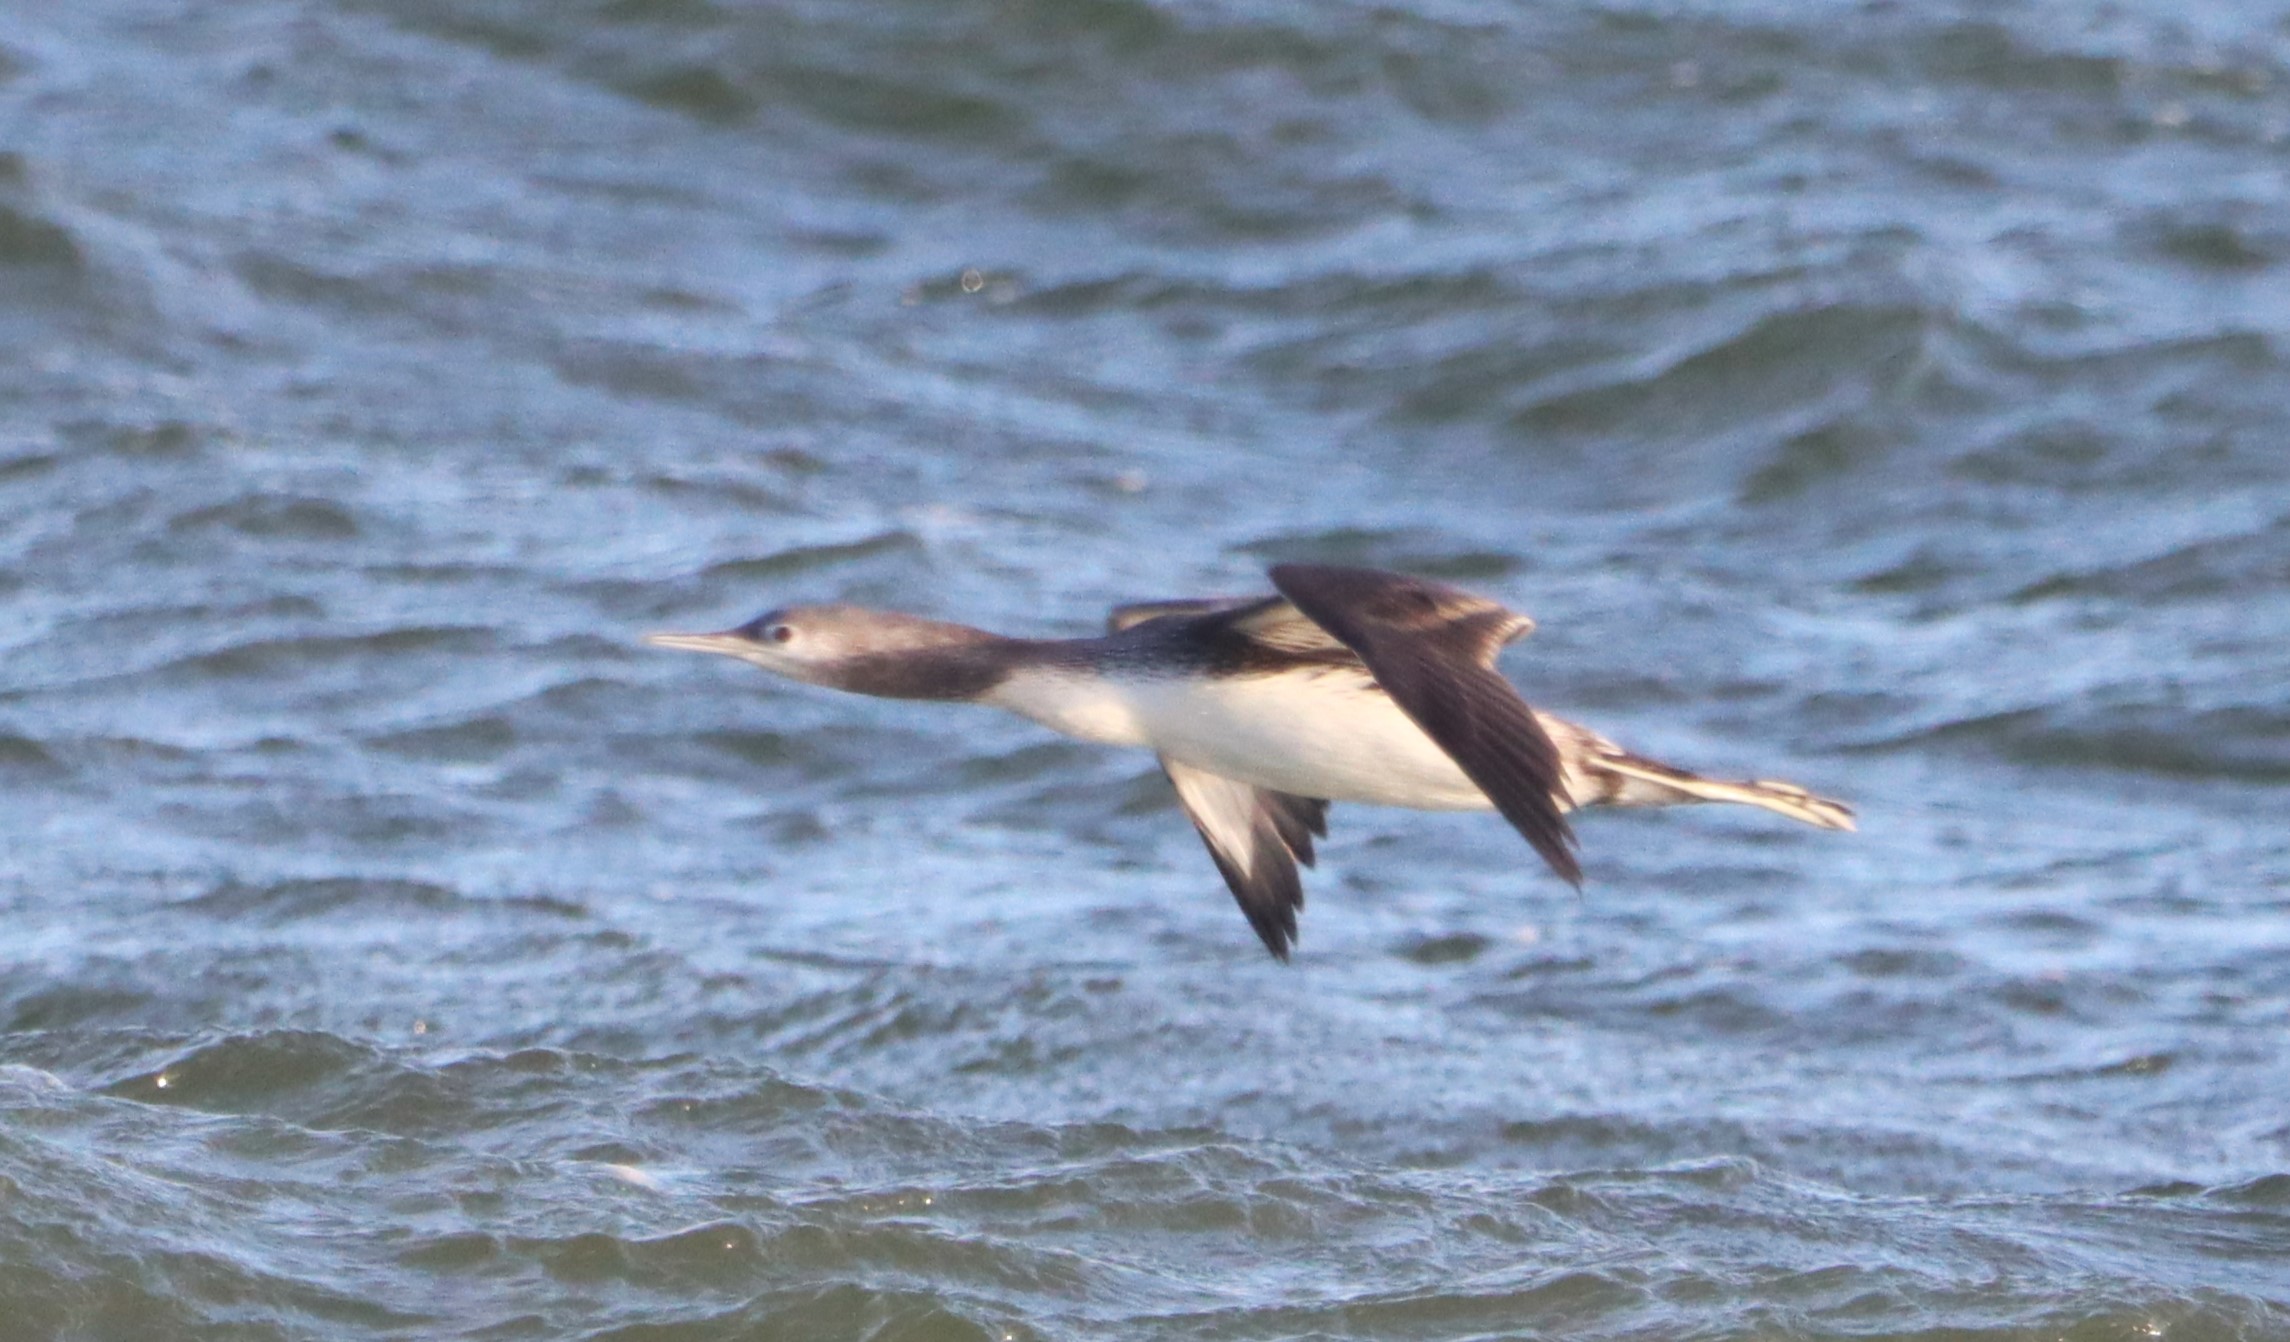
{"x":1624,"y":779}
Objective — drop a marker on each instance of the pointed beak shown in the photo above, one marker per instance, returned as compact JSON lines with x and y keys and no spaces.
{"x":730,"y":643}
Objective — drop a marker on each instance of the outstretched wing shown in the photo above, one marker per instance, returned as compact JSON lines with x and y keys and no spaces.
{"x":1256,"y":837}
{"x":1432,"y":647}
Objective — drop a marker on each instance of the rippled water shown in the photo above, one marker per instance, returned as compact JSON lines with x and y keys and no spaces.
{"x":1891,"y":398}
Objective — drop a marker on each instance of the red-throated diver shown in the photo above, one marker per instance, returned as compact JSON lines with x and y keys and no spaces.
{"x":1350,"y":685}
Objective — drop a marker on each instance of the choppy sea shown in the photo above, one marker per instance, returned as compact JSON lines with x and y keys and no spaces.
{"x":1890,"y":397}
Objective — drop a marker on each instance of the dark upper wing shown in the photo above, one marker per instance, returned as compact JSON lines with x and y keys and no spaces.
{"x":1432,"y":648}
{"x":1257,"y":837}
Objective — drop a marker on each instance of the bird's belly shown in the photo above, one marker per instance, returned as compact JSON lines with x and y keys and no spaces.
{"x":1309,"y":734}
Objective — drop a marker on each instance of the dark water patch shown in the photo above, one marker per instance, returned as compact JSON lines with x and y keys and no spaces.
{"x":1616,"y":688}
{"x":106,"y":1050}
{"x":1410,"y":550}
{"x":133,"y":753}
{"x":841,"y":1311}
{"x":492,"y":28}
{"x":1026,"y":1027}
{"x":753,"y":1109}
{"x":917,"y":101}
{"x":763,"y":758}
{"x":2141,"y":1065}
{"x":681,"y":302}
{"x":676,"y":13}
{"x":2244,"y":744}
{"x":2203,"y":570}
{"x":1903,"y":962}
{"x":890,"y":1248}
{"x":2215,"y":244}
{"x":288,"y":658}
{"x":697,"y":91}
{"x":1543,"y":966}
{"x":1126,"y":292}
{"x":295,"y":900}
{"x":2247,"y":745}
{"x":29,"y":241}
{"x":719,"y":1256}
{"x":1612,"y":1141}
{"x":2045,"y":998}
{"x":2134,"y":1067}
{"x":446,"y":299}
{"x":1818,"y":457}
{"x":1007,"y":83}
{"x":583,"y":700}
{"x":477,"y":740}
{"x":971,"y":283}
{"x":2056,"y":452}
{"x":802,"y":559}
{"x":737,"y":489}
{"x":2125,"y":80}
{"x":1110,"y":1181}
{"x":2001,"y":56}
{"x":2147,"y":373}
{"x":591,"y":646}
{"x":147,"y":610}
{"x":247,"y":1073}
{"x":167,"y":1295}
{"x":325,"y":1082}
{"x":288,"y":280}
{"x":81,"y":1005}
{"x":377,"y":820}
{"x":723,"y":70}
{"x":2053,"y":929}
{"x":1025,"y":764}
{"x":1078,"y":803}
{"x":1564,"y":1298}
{"x":464,"y":1252}
{"x":441,"y":573}
{"x":21,"y":463}
{"x":632,"y":371}
{"x":1782,"y":358}
{"x":1226,"y":196}
{"x":2176,"y":1188}
{"x":1456,"y":948}
{"x":22,"y":755}
{"x":1720,"y":1010}
{"x":2270,"y":1192}
{"x":115,"y":1247}
{"x":272,"y":517}
{"x":1480,"y":379}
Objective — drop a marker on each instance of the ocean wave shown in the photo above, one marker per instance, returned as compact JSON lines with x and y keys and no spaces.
{"x":2248,"y":744}
{"x":697,"y":1195}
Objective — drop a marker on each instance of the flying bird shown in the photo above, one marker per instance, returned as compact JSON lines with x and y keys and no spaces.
{"x":1348,"y":684}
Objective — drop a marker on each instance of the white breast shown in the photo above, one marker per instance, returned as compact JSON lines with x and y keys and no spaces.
{"x":1086,"y":707}
{"x":1320,"y":733}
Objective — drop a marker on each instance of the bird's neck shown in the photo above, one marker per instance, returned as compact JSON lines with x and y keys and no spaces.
{"x":964,"y":667}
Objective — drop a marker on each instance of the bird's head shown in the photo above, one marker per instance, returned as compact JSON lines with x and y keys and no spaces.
{"x":847,"y":647}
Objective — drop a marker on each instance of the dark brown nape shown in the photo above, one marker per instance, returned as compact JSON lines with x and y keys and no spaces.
{"x":950,"y":674}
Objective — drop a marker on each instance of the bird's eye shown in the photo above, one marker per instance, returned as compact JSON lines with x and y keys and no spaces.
{"x":779,"y":633}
